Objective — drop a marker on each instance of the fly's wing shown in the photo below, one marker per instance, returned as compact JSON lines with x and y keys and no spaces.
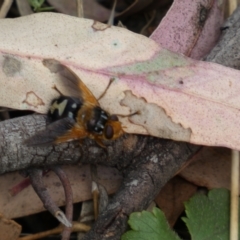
{"x":63,"y":130}
{"x":71,"y":82}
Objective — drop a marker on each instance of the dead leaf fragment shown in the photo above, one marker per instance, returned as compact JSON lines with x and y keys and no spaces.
{"x":172,"y":196}
{"x":191,"y":29}
{"x":9,"y":229}
{"x":210,"y":168}
{"x":80,"y":179}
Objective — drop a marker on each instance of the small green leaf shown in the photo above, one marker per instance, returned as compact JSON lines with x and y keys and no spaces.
{"x":208,"y":217}
{"x":149,"y":225}
{"x":37,"y":5}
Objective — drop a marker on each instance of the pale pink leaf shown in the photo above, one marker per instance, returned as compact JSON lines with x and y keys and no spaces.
{"x":176,"y":97}
{"x":85,"y":45}
{"x":191,"y":28}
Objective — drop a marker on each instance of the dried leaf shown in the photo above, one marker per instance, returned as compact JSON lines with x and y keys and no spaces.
{"x":210,"y":168}
{"x":176,"y":97}
{"x":190,"y":29}
{"x":79,"y":177}
{"x":9,"y":229}
{"x":172,"y":197}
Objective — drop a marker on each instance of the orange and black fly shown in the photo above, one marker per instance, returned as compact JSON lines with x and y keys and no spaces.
{"x":77,"y":115}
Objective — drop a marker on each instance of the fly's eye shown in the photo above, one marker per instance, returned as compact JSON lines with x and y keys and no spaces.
{"x":114,"y":118}
{"x":108,"y":131}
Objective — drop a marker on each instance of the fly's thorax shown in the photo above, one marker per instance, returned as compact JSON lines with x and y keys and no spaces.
{"x":63,"y":107}
{"x":96,"y":123}
{"x":104,"y":125}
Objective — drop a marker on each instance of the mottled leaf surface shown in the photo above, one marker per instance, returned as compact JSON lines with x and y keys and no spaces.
{"x":190,"y":28}
{"x":175,"y":97}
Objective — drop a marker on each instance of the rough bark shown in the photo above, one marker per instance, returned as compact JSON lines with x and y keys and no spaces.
{"x":226,"y":51}
{"x":16,"y":155}
{"x":157,"y":163}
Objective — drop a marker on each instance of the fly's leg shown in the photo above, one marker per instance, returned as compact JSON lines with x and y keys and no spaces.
{"x":104,"y":92}
{"x":55,"y":88}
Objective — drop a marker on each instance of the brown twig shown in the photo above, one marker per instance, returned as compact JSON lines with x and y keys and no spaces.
{"x":69,"y":199}
{"x":80,"y":12}
{"x":5,"y":8}
{"x":35,"y":176}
